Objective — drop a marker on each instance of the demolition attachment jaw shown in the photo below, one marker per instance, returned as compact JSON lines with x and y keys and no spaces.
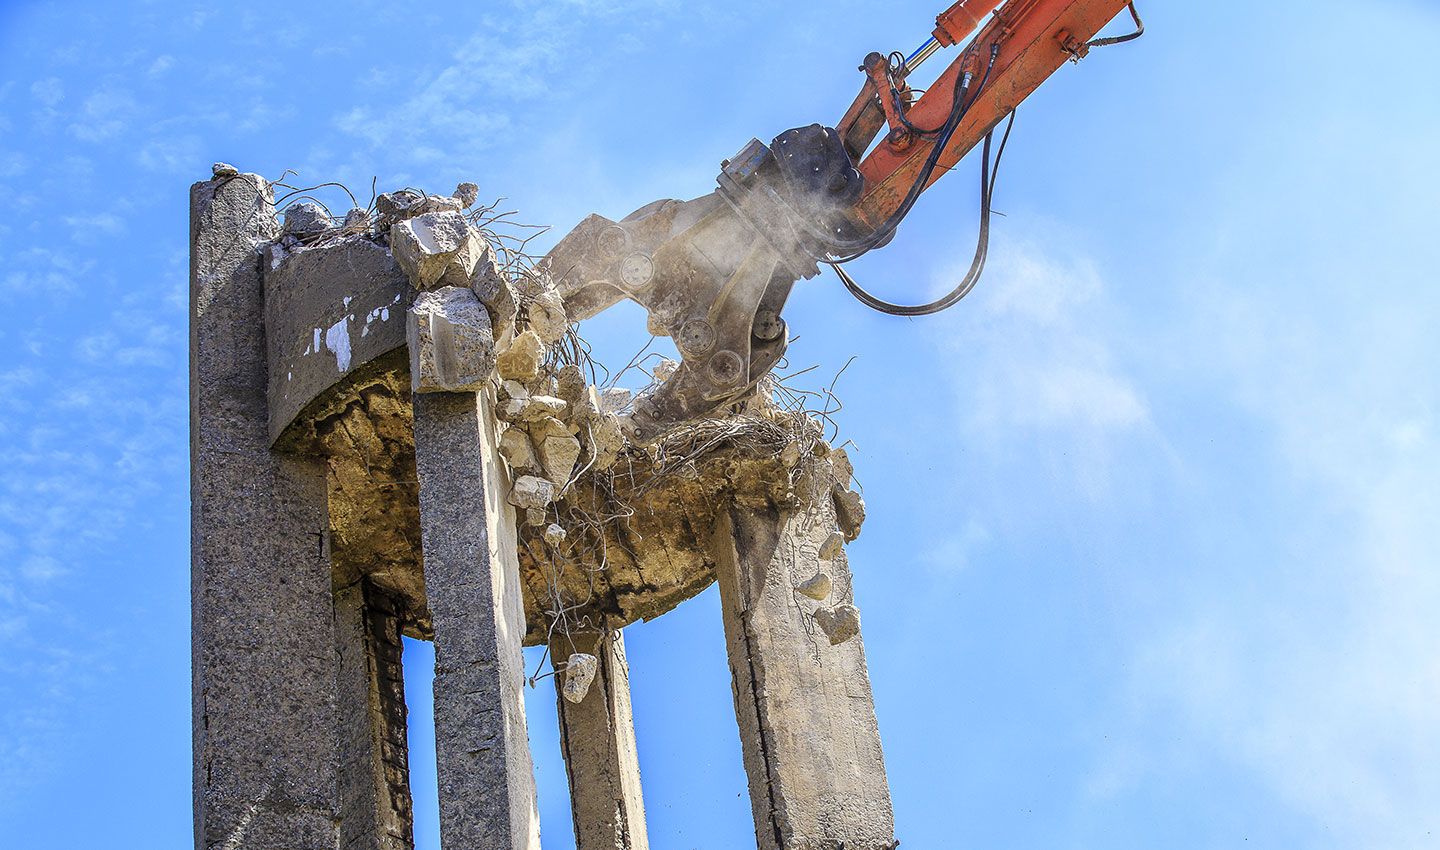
{"x":714,"y":273}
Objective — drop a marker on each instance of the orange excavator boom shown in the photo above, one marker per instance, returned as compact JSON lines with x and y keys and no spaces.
{"x":715,"y":272}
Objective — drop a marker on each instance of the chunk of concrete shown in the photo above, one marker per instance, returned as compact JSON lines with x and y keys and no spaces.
{"x":816,"y":587}
{"x":570,"y":383}
{"x":496,"y":293}
{"x":467,"y":194}
{"x":547,"y":317}
{"x":516,"y":448}
{"x":356,"y":221}
{"x":606,"y":438}
{"x":393,"y":204}
{"x":531,"y":492}
{"x":538,"y":407}
{"x":223,"y":170}
{"x":839,"y":624}
{"x":451,"y":345}
{"x":843,"y":468}
{"x":614,"y":399}
{"x":462,"y":268}
{"x":579,"y":674}
{"x":306,"y":219}
{"x":664,"y":370}
{"x":832,"y":547}
{"x":554,"y":535}
{"x":522,"y":360}
{"x":559,"y":453}
{"x":849,"y":511}
{"x":426,"y":245}
{"x":395,"y":207}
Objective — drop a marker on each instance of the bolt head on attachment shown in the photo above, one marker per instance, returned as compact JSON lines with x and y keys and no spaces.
{"x":697,"y":336}
{"x":726,"y":368}
{"x":637,"y":270}
{"x":768,"y":325}
{"x":612,"y":240}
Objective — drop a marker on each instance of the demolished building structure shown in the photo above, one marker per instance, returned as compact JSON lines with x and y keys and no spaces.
{"x":396,"y":432}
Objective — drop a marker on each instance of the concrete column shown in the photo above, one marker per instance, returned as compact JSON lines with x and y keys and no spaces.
{"x":376,"y":812}
{"x":263,"y":648}
{"x":597,"y":737}
{"x":806,"y":715}
{"x":487,"y":781}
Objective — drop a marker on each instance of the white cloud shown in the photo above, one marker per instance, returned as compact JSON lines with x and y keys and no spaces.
{"x":161,"y":64}
{"x":87,"y":229}
{"x":104,"y":115}
{"x":1036,"y":374}
{"x":13,"y":164}
{"x":178,"y":154}
{"x":1320,"y":670}
{"x":511,"y":60}
{"x":49,"y":91}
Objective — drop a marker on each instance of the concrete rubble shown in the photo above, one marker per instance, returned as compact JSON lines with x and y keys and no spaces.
{"x":579,"y":673}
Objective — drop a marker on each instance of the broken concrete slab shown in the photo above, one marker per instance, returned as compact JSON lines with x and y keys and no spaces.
{"x":521,"y":361}
{"x":496,"y":293}
{"x":579,"y":674}
{"x":467,"y":194}
{"x":839,"y":624}
{"x":816,"y":587}
{"x":306,"y":219}
{"x":849,"y":511}
{"x":518,"y":451}
{"x":532,"y":493}
{"x":427,"y":244}
{"x":451,"y":345}
{"x":547,"y":317}
{"x":559,"y":452}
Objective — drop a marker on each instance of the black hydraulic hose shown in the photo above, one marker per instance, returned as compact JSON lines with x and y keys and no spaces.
{"x":988,"y":176}
{"x":1121,"y":39}
{"x":845,"y":250}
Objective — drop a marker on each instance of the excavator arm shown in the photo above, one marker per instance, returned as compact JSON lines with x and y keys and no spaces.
{"x":714,"y":273}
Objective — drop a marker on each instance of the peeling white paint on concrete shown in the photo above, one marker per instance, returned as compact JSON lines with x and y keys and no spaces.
{"x":337,"y":339}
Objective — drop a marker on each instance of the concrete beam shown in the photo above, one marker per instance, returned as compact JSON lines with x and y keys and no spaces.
{"x":467,"y":530}
{"x":376,"y":811}
{"x":806,"y":715}
{"x":597,"y":737}
{"x":263,"y":646}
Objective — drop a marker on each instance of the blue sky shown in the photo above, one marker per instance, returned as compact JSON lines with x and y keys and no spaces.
{"x":1152,"y":557}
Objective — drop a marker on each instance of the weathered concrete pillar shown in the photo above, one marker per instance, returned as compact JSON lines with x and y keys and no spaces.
{"x":806,"y":715}
{"x":376,"y":812}
{"x":597,"y":737}
{"x":263,"y":646}
{"x":487,"y":781}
